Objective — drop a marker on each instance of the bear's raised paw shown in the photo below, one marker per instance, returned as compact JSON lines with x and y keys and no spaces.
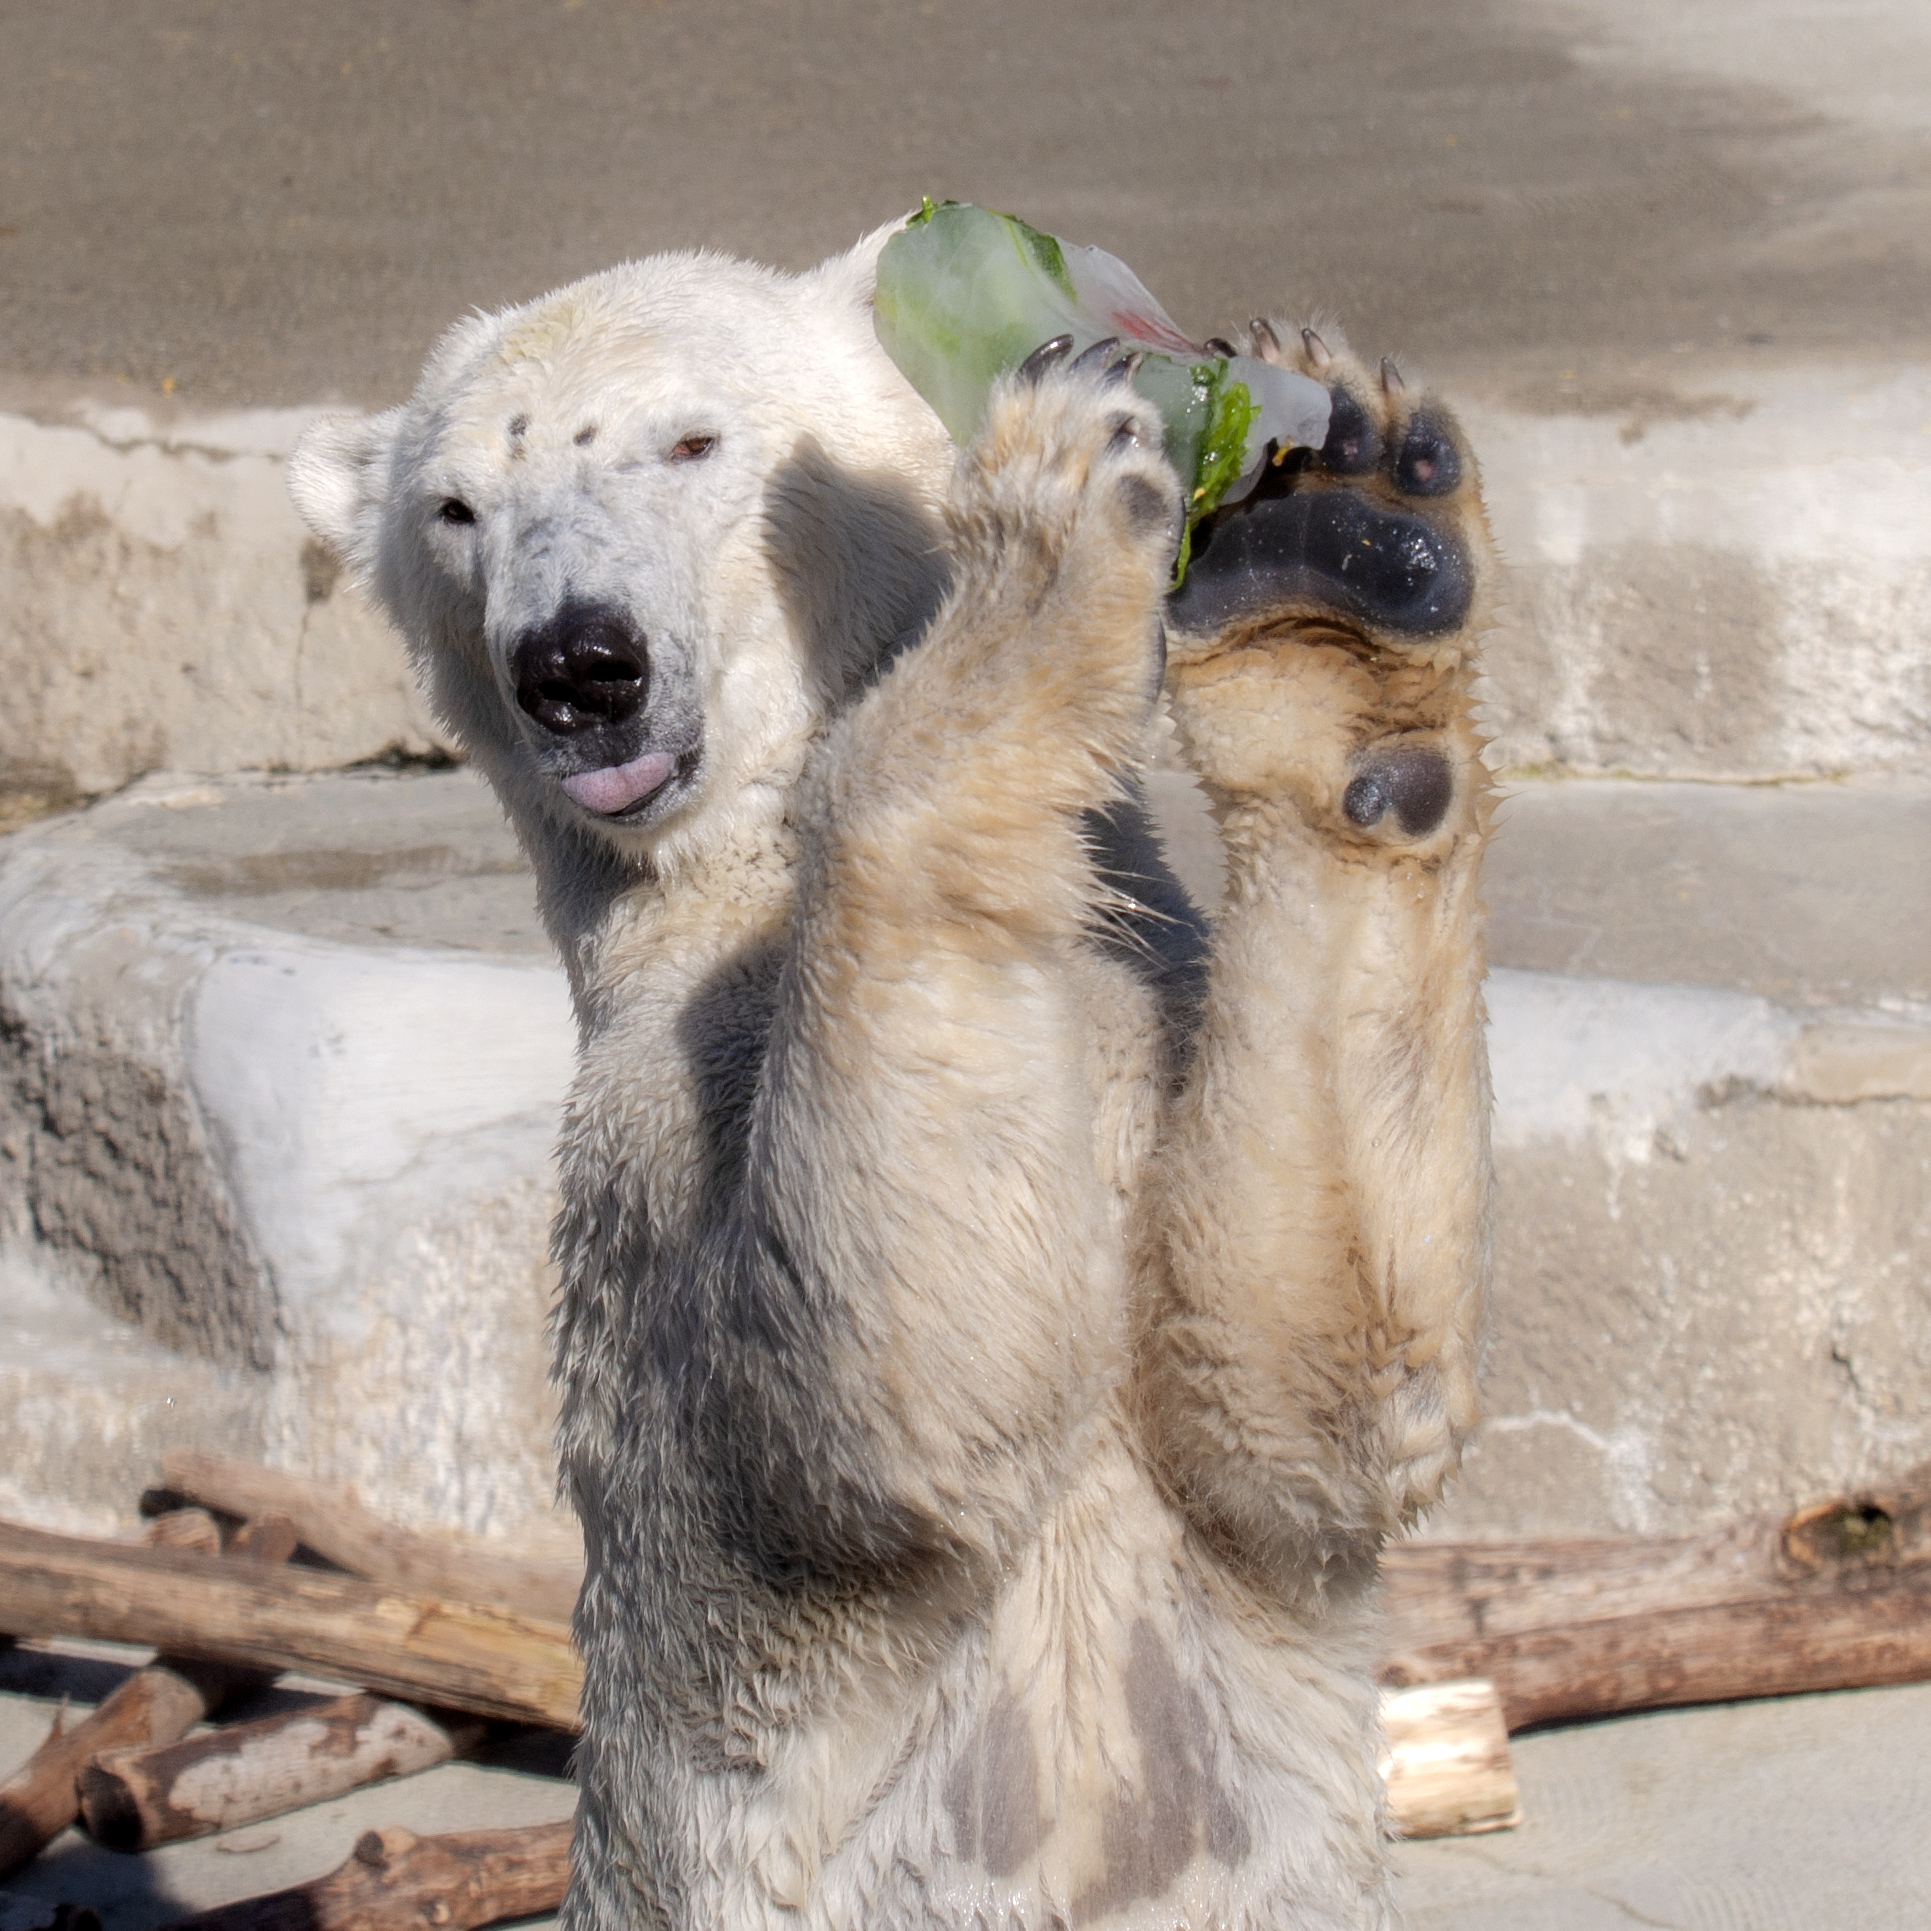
{"x":1065,"y":503}
{"x":1322,"y":641}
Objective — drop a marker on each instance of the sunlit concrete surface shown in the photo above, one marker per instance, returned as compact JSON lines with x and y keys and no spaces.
{"x":1802,"y":1814}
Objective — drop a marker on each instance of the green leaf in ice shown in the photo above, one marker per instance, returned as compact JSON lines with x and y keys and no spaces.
{"x":1047,"y":253}
{"x":1223,"y":450}
{"x":964,"y":294}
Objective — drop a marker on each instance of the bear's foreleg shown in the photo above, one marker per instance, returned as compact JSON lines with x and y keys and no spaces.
{"x":1310,"y":1357}
{"x":923,"y":1206}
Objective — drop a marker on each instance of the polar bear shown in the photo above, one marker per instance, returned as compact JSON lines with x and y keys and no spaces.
{"x":1003,"y":1314}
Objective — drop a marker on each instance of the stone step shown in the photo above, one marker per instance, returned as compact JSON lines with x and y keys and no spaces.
{"x":1718,"y":572}
{"x":1815,"y":895}
{"x":283,"y":1058}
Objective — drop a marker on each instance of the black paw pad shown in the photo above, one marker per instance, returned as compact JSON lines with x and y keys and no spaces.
{"x":1388,"y":568}
{"x":1354,"y":444}
{"x":1429,"y":463}
{"x":1414,"y":781}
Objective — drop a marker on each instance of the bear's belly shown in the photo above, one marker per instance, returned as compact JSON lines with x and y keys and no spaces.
{"x":1126,"y":1742}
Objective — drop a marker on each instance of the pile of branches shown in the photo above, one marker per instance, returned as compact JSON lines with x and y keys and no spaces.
{"x":444,"y":1639}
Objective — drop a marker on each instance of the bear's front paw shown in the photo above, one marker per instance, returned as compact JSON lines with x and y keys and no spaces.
{"x":1066,"y":510}
{"x":1322,"y":642}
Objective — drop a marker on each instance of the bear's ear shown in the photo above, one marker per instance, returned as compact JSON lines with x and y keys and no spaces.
{"x":851,"y":277}
{"x":338,"y":475}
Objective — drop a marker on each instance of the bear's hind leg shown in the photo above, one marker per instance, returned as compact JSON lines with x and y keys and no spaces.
{"x":1309,"y":1361}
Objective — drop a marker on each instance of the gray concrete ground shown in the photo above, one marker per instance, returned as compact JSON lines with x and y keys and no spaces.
{"x":266,"y":204}
{"x":1782,"y":1816}
{"x":1777,"y":1816}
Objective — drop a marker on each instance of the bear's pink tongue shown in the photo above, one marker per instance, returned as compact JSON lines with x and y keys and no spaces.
{"x":619,"y":785}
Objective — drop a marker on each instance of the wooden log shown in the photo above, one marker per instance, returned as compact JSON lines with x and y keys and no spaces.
{"x":1712,"y":1653}
{"x":1446,"y":1592}
{"x":184,"y":1529}
{"x":1447,"y":1764}
{"x":335,"y":1524}
{"x":396,"y":1881}
{"x":454,"y":1655}
{"x":155,"y":1705}
{"x":134,"y":1799}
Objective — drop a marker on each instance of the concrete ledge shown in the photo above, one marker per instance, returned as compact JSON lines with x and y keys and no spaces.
{"x":1721,"y":571}
{"x":1814,"y":895}
{"x":1713,"y":1274}
{"x":312,"y":1168}
{"x":89,"y":1404}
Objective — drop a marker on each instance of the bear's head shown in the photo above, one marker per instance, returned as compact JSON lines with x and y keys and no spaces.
{"x":644,"y":536}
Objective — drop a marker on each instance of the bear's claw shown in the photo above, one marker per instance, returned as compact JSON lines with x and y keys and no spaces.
{"x":1049,"y":355}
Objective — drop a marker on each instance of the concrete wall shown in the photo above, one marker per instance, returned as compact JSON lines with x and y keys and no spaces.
{"x":162,"y":609}
{"x":1724,"y":576}
{"x":282,"y":1074}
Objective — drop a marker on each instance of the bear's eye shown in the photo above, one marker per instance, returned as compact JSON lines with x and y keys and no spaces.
{"x":693,"y":449}
{"x":452,"y":509}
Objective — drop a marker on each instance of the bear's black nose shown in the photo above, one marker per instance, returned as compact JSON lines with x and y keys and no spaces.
{"x":585,"y":667}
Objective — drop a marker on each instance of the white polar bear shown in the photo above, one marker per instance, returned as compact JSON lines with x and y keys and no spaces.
{"x":1002,"y":1319}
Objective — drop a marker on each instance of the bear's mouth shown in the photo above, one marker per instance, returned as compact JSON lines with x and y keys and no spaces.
{"x":625,"y":791}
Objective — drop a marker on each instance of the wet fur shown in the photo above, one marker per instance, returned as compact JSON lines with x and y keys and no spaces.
{"x":1001,"y":1319}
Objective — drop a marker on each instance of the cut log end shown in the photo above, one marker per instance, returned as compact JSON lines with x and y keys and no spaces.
{"x":1447,"y":1764}
{"x":108,"y":1809}
{"x":184,"y":1529}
